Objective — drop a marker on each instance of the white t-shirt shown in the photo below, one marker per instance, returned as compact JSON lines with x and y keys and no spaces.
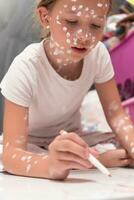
{"x":54,"y":102}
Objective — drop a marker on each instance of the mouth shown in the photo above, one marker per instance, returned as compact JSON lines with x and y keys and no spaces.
{"x":79,"y":50}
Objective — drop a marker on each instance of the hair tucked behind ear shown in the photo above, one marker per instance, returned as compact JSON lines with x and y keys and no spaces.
{"x":49,"y":5}
{"x":46,"y":3}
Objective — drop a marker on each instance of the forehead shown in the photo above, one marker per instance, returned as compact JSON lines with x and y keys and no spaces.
{"x":72,"y":6}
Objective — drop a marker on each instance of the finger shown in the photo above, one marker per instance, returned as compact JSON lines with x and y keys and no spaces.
{"x":67,"y":165}
{"x":74,"y":137}
{"x":72,"y":147}
{"x":65,"y":156}
{"x":125,"y":162}
{"x":93,"y":151}
{"x":122,"y":153}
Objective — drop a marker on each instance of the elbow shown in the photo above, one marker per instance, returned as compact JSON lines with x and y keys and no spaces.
{"x":6,"y":161}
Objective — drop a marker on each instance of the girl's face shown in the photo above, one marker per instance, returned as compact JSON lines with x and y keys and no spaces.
{"x":76,"y":26}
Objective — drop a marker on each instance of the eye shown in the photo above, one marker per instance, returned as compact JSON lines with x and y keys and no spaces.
{"x":95,"y":26}
{"x":71,"y":22}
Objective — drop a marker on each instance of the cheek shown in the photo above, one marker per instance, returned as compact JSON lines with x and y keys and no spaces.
{"x":60,"y":33}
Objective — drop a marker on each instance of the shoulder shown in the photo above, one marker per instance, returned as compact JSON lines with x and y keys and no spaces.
{"x":31,"y":52}
{"x":29,"y":60}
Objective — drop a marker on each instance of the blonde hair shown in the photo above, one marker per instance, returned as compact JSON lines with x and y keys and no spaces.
{"x":49,"y":3}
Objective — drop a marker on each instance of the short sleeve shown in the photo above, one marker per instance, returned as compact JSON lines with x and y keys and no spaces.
{"x":19,"y":82}
{"x":104,"y":71}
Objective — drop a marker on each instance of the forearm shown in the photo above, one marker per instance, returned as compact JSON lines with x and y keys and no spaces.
{"x":124,"y":130}
{"x":20,"y":162}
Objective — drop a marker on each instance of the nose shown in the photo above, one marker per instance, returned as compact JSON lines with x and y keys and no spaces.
{"x":84,"y":37}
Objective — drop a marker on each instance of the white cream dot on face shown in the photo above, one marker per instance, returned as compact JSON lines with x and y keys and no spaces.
{"x":80,"y":7}
{"x":92,"y":12}
{"x":131,"y":144}
{"x":58,"y":22}
{"x":126,"y":137}
{"x":106,"y":5}
{"x":73,"y":8}
{"x":79,"y":31}
{"x":79,"y":13}
{"x":64,"y":29}
{"x":132,"y":150}
{"x":35,"y":162}
{"x":65,"y":6}
{"x":68,"y":41}
{"x":57,"y":17}
{"x":68,"y":34}
{"x":99,"y":5}
{"x":86,"y":9}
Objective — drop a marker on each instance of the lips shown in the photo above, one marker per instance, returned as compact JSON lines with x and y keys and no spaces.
{"x":79,"y":50}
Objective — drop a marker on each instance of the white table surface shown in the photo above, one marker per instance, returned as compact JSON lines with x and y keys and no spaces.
{"x":80,"y":185}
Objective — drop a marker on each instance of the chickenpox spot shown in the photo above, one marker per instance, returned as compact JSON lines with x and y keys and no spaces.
{"x":35,"y":162}
{"x":68,"y":34}
{"x":28,"y":168}
{"x":99,"y":5}
{"x":7,"y":144}
{"x":131,"y":144}
{"x":14,"y":156}
{"x":73,"y":8}
{"x":65,"y":6}
{"x":132,"y":150}
{"x":68,"y":41}
{"x":23,"y":158}
{"x":64,"y":29}
{"x":25,"y":117}
{"x":92,"y":12}
{"x":126,"y":137}
{"x":80,"y":7}
{"x":79,"y":13}
{"x":86,"y":9}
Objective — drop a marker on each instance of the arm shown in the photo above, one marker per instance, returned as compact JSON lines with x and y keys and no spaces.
{"x":16,"y":158}
{"x":66,"y":152}
{"x":117,"y":119}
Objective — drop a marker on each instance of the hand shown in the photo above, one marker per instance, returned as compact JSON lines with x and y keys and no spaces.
{"x":115,"y":158}
{"x":67,"y":152}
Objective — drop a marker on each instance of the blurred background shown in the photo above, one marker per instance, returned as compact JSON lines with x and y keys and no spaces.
{"x":18,"y":28}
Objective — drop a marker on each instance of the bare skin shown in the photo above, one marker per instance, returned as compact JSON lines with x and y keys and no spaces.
{"x":73,"y":36}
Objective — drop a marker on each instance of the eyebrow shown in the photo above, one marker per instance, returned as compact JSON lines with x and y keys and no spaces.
{"x":75,"y":12}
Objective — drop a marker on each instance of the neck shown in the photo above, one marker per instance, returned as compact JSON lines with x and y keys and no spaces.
{"x":57,"y":57}
{"x":68,"y":70}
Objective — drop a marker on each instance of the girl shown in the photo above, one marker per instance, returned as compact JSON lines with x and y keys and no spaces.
{"x":45,"y":86}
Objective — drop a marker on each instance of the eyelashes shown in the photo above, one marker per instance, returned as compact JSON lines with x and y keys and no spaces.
{"x":74,"y":22}
{"x":71,"y":22}
{"x":95,"y":26}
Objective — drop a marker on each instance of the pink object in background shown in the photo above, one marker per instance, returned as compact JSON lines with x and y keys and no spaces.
{"x":123,"y":61}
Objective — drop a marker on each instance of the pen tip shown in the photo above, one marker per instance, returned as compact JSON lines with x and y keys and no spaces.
{"x":109,"y":175}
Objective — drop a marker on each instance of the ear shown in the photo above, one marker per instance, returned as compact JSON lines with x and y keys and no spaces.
{"x":43,"y":16}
